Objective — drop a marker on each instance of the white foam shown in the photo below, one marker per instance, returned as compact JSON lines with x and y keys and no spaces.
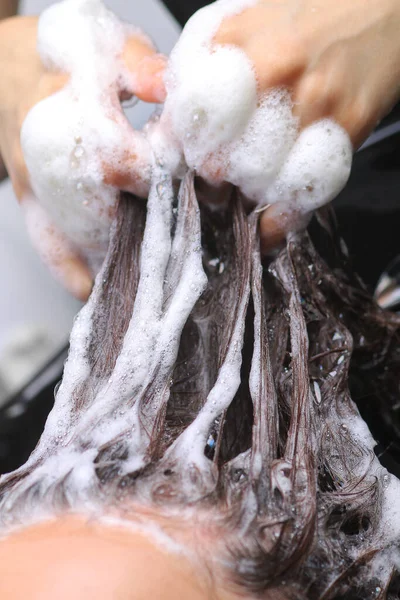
{"x":67,"y":137}
{"x":215,"y":121}
{"x":227,"y":130}
{"x":316,"y":169}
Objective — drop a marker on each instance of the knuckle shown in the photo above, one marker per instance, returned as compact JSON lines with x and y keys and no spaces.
{"x":278,"y":65}
{"x":295,"y":49}
{"x":356,"y":118}
{"x":333,"y":92}
{"x":311,"y":89}
{"x":227,"y":33}
{"x":320,"y":94}
{"x":361,"y":114}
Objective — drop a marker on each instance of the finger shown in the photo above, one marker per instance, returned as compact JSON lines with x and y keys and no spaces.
{"x":215,"y":196}
{"x":276,"y":222}
{"x":56,"y":252}
{"x":145,"y":68}
{"x":128,"y":167}
{"x":315,"y":98}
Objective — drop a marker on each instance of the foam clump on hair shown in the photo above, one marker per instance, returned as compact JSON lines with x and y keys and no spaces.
{"x":71,"y":136}
{"x":227,"y":130}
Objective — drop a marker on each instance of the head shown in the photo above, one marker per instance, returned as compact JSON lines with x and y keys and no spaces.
{"x":78,"y":559}
{"x":214,"y":413}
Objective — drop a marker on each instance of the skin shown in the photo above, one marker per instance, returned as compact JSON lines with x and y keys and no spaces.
{"x":89,"y":561}
{"x":8,"y":8}
{"x":340,"y":59}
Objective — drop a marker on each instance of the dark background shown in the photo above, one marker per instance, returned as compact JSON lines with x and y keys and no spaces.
{"x":183,"y":9}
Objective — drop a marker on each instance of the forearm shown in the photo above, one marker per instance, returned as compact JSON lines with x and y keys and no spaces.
{"x":8,"y":8}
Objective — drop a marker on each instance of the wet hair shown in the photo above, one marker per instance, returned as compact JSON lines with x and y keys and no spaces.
{"x":246,"y":414}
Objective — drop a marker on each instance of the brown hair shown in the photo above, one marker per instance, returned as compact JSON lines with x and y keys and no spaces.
{"x":288,"y":468}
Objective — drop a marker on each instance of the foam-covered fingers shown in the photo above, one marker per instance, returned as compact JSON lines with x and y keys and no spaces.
{"x":145,"y":70}
{"x":316,"y":169}
{"x":314,"y":172}
{"x":56,"y":252}
{"x":128,"y":167}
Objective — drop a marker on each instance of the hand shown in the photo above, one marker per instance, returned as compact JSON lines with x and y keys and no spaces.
{"x":340,"y":59}
{"x":24,"y":84}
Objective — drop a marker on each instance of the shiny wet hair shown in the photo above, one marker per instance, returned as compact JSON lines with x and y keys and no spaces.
{"x":251,"y":420}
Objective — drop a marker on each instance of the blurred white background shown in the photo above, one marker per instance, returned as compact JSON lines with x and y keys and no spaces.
{"x":35,"y":313}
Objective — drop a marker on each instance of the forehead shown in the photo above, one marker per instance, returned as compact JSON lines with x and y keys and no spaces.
{"x":70,"y":559}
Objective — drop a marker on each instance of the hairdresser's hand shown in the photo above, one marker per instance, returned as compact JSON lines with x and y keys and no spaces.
{"x":24,"y":82}
{"x":340,"y":58}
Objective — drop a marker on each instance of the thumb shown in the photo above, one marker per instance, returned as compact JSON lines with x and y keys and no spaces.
{"x":146,"y":70}
{"x":61,"y":258}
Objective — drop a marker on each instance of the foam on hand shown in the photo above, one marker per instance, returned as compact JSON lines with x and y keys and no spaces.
{"x":226,"y":130}
{"x":215,"y":121}
{"x":69,"y":137}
